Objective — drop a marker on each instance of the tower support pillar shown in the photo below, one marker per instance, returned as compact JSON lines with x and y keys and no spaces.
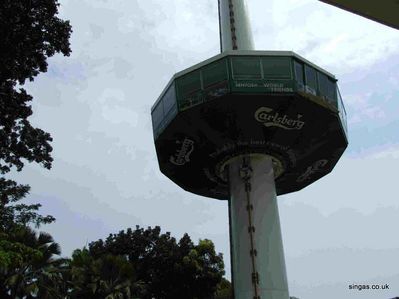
{"x":258,"y":265}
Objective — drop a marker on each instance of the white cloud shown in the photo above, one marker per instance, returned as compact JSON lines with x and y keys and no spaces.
{"x":366,"y":113}
{"x":330,"y":37}
{"x":390,"y":151}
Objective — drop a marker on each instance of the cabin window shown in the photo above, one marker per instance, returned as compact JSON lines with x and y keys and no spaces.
{"x":276,"y":67}
{"x":311,"y":77}
{"x":298,"y":67}
{"x":169,"y":99}
{"x":214,"y":73}
{"x":246,"y":68}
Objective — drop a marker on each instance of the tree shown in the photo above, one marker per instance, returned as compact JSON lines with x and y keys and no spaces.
{"x":15,"y":214}
{"x":109,"y":276}
{"x":30,"y":32}
{"x":26,"y":272}
{"x":224,"y":290}
{"x":18,"y":248}
{"x":22,"y":254}
{"x":169,"y":269}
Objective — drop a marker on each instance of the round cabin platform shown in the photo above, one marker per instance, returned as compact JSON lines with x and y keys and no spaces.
{"x":238,"y":102}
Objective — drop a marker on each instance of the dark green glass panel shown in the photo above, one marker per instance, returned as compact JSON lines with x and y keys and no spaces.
{"x":157,"y":115}
{"x":246,"y":68}
{"x":276,"y":67}
{"x":214,"y":73}
{"x":189,"y":83}
{"x":169,"y":98}
{"x":311,"y":78}
{"x":327,"y":88}
{"x":298,"y":67}
{"x":216,"y":90}
{"x":191,"y":100}
{"x":170,"y":115}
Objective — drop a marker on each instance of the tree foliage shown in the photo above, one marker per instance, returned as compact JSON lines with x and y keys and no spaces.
{"x":133,"y":264}
{"x":18,"y":248}
{"x":13,"y":213}
{"x":109,"y":276}
{"x":28,"y":260}
{"x":169,"y":269}
{"x":30,"y":32}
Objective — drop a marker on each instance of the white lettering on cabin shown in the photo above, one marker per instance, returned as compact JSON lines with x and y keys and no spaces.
{"x":269,"y":118}
{"x":315,"y":167}
{"x":272,"y":86}
{"x":182,"y":155}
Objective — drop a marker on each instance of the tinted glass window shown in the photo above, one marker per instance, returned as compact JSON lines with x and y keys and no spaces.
{"x":311,"y":77}
{"x":157,"y":114}
{"x":298,"y":72}
{"x":246,"y":68}
{"x":169,"y":98}
{"x":189,"y":83}
{"x":214,"y":73}
{"x":327,"y":87}
{"x":276,"y":67}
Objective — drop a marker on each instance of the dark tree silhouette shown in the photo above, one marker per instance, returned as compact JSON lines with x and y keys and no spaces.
{"x":30,"y":32}
{"x":224,"y":290}
{"x":13,"y":213}
{"x":169,"y":269}
{"x":109,"y":276}
{"x":29,"y":265}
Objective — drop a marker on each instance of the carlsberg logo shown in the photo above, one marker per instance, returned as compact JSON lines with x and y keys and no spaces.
{"x":182,"y":155}
{"x":269,"y":118}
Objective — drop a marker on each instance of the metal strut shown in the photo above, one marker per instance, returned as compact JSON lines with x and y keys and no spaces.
{"x":246,"y":175}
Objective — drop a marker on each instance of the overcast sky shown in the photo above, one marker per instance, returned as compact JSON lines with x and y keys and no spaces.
{"x":96,"y":104}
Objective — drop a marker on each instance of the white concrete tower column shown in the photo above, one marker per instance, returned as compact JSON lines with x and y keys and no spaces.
{"x":257,"y":256}
{"x":235,"y":30}
{"x":258,"y":265}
